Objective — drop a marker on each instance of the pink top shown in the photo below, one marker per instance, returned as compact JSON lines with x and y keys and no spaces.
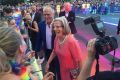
{"x":68,"y":53}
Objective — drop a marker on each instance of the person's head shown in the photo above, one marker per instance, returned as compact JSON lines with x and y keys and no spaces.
{"x":29,"y":10}
{"x":23,"y":13}
{"x":48,"y":13}
{"x":33,"y":8}
{"x":28,"y":18}
{"x":60,"y":26}
{"x":12,"y":23}
{"x":67,"y":7}
{"x":8,"y":11}
{"x":9,"y":46}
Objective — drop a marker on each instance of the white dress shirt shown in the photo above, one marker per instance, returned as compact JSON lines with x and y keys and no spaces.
{"x":48,"y":37}
{"x":33,"y":15}
{"x":66,"y":14}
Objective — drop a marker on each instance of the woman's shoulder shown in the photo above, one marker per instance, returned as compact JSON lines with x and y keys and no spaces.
{"x":10,"y":77}
{"x":71,"y":38}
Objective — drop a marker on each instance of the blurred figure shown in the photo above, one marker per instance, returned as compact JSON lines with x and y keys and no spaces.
{"x":12,"y":24}
{"x":58,"y":9}
{"x":8,"y":52}
{"x":10,"y":61}
{"x":32,"y":28}
{"x":118,"y":27}
{"x":36,"y":16}
{"x":66,"y":48}
{"x":70,"y":16}
{"x":86,"y":68}
{"x":8,"y":13}
{"x":34,"y":20}
{"x":45,"y":40}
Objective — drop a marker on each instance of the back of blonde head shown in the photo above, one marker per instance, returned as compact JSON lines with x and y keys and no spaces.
{"x":9,"y":41}
{"x":9,"y":44}
{"x":27,"y":16}
{"x":3,"y":23}
{"x":4,"y":65}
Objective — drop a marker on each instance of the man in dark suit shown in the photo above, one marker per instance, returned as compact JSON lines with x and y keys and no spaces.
{"x":45,"y":40}
{"x":36,"y":16}
{"x":70,"y":15}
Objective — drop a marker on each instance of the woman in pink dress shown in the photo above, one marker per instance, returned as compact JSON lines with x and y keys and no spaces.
{"x":66,"y":48}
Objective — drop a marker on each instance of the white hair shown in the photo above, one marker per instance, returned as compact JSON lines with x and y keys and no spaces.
{"x":65,"y":24}
{"x":48,"y":7}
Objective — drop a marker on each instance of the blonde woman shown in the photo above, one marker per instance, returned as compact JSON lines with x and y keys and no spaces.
{"x":10,"y":49}
{"x":66,"y":48}
{"x":86,"y":68}
{"x":8,"y":52}
{"x":68,"y":51}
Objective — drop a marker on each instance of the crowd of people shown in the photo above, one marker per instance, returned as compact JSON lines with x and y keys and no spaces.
{"x":101,"y":7}
{"x":79,"y":6}
{"x":39,"y":38}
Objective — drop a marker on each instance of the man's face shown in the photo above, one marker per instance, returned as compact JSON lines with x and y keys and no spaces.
{"x":67,"y":7}
{"x":48,"y":15}
{"x":33,"y":8}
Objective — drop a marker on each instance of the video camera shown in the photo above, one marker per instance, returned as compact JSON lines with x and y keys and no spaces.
{"x":104,"y":44}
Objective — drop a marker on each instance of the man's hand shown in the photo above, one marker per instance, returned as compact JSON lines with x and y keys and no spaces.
{"x":91,"y":49}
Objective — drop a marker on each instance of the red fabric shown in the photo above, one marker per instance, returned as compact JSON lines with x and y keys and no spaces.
{"x":66,"y":53}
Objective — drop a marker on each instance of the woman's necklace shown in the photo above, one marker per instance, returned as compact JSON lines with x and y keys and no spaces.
{"x":61,"y":42}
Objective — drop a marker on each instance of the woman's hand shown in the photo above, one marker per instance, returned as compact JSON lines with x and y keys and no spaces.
{"x":48,"y":76}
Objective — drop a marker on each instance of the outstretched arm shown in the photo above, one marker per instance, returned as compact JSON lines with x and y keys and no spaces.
{"x":86,"y":68}
{"x":52,"y":56}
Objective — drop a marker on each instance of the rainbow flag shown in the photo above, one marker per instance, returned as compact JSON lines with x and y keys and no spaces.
{"x":24,"y":74}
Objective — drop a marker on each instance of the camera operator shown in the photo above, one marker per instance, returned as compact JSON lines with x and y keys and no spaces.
{"x":86,"y":68}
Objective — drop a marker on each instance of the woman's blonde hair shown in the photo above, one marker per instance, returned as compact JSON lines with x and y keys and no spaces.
{"x":9,"y":44}
{"x":4,"y":64}
{"x":27,"y":16}
{"x":3,"y":23}
{"x":65,"y":24}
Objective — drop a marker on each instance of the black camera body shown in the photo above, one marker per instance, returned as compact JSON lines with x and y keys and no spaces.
{"x":104,"y":44}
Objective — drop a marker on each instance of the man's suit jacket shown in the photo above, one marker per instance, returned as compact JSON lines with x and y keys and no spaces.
{"x":41,"y":44}
{"x":71,"y":19}
{"x":41,"y":37}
